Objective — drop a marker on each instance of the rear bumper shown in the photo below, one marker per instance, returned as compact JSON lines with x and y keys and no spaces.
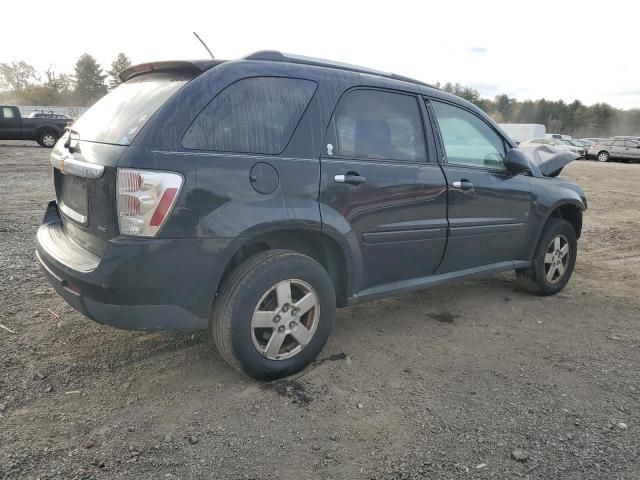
{"x":138,"y":284}
{"x":127,"y":317}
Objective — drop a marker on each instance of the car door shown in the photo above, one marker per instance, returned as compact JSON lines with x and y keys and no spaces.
{"x":381,"y":189}
{"x":617,"y":149}
{"x":632,"y":150}
{"x":489,"y":206}
{"x":9,"y":123}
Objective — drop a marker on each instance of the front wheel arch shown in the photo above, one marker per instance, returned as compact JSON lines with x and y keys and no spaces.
{"x":535,"y":279}
{"x":571,"y":213}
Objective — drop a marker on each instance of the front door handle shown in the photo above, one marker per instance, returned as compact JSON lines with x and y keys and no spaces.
{"x":350,"y":178}
{"x":463,"y":184}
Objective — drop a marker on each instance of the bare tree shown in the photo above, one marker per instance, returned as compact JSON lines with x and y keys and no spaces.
{"x":17,"y":77}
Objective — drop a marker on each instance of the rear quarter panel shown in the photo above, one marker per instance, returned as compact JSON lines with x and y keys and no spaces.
{"x":218,"y":205}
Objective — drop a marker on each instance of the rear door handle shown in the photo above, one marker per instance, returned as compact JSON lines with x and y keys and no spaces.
{"x":463,"y":184}
{"x":350,"y":178}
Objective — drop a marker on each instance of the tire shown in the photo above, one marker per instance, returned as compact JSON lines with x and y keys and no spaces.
{"x":242,"y":321}
{"x":47,"y":138}
{"x":603,"y":156}
{"x":537,"y":278}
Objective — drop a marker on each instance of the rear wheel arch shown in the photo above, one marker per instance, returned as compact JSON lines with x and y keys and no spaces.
{"x":40,"y":129}
{"x":317,"y":245}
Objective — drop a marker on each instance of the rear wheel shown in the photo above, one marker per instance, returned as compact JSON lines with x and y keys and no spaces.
{"x":554,"y":259}
{"x":603,"y":156}
{"x":274,"y":314}
{"x":47,"y":139}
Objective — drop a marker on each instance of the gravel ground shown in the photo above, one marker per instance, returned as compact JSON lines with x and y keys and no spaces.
{"x":476,"y":380}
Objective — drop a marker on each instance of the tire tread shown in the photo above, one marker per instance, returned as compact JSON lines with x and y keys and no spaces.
{"x":527,"y":278}
{"x":225,"y":303}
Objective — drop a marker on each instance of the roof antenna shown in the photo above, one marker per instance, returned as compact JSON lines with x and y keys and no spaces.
{"x":204,"y":45}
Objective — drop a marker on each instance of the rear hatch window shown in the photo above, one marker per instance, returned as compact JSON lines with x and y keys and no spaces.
{"x":118,"y":117}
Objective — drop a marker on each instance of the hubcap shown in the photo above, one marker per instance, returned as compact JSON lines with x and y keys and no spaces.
{"x":285,"y":319}
{"x":603,"y":157}
{"x":556,"y":259}
{"x":49,"y":140}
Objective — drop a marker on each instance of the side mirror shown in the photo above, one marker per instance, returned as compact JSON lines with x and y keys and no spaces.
{"x":517,"y":161}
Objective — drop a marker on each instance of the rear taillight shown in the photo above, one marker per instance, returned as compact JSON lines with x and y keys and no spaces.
{"x":145,"y":199}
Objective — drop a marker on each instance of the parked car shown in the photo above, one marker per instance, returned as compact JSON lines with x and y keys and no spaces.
{"x":582,"y":146}
{"x":589,"y":141}
{"x":558,"y":136}
{"x":254,"y":196}
{"x":585,"y":144}
{"x":44,"y":130}
{"x":556,"y":143}
{"x":615,"y":149}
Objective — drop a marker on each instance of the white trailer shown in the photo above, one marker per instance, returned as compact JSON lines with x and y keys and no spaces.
{"x":523,"y":131}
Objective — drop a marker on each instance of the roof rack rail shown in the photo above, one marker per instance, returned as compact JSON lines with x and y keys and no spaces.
{"x":276,"y":56}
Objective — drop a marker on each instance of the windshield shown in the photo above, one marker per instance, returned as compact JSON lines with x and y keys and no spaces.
{"x":119,"y":116}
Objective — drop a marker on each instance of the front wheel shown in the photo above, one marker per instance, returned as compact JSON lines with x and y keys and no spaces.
{"x":47,"y":139}
{"x":554,"y":259}
{"x":274,"y":314}
{"x":603,"y":157}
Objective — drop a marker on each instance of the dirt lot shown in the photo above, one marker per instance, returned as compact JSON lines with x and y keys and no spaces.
{"x":446,"y":383}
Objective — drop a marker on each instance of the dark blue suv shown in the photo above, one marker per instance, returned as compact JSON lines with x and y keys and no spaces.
{"x":254,"y":196}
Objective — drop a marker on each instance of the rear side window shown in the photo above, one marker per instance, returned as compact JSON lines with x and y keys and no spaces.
{"x":253,"y":115}
{"x":7,"y":112}
{"x":119,"y":116}
{"x":377,"y":125}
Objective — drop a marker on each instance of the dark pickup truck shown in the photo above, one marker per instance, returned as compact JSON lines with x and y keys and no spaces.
{"x":46,"y":130}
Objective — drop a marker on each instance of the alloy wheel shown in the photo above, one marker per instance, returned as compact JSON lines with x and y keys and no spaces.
{"x":603,"y":157}
{"x":557,"y":259}
{"x":49,"y":140}
{"x":285,"y":319}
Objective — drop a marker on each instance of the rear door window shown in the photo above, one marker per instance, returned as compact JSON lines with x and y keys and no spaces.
{"x":119,"y":116}
{"x":374,"y":124}
{"x":253,"y":115}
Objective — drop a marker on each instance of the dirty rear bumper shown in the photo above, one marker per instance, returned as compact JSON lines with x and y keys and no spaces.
{"x":138,"y":284}
{"x":127,"y":317}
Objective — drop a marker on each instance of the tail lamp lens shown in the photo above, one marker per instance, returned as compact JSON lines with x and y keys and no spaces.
{"x":145,"y":199}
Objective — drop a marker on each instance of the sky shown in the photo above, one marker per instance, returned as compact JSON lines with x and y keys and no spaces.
{"x":527,"y":49}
